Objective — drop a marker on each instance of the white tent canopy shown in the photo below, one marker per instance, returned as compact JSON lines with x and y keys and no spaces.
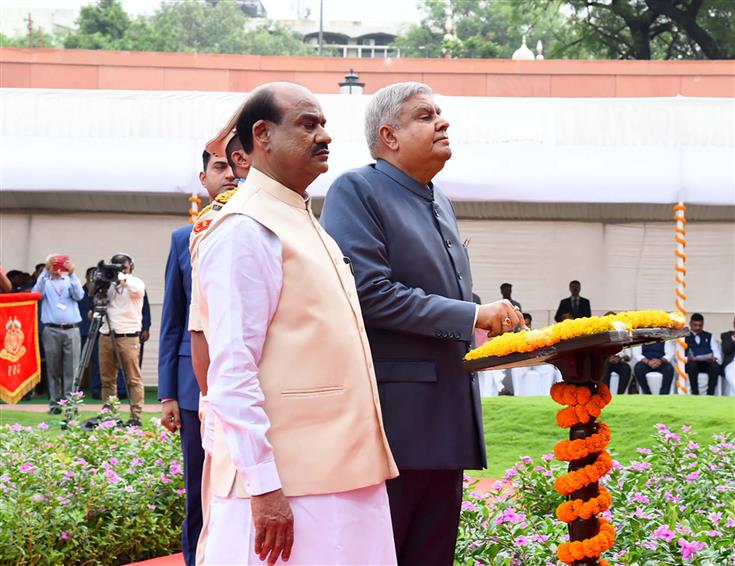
{"x":645,"y":150}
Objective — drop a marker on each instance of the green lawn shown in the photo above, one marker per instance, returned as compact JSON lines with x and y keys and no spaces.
{"x":520,"y":426}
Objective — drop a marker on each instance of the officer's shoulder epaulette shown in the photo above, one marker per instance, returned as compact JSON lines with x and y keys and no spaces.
{"x":203,"y":211}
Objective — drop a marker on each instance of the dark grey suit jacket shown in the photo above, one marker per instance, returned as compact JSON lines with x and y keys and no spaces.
{"x":413,"y":278}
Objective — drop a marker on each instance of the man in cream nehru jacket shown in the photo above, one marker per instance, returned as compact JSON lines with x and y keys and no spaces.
{"x":291,"y":386}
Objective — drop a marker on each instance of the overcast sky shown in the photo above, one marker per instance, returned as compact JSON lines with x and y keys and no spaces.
{"x":361,"y":10}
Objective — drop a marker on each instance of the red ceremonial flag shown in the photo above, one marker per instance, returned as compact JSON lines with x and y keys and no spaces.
{"x":20,"y":359}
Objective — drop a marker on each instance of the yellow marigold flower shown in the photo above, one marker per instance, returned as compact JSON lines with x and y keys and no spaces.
{"x":531,"y":340}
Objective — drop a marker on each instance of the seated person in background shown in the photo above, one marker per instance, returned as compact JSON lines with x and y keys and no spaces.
{"x":528,"y":319}
{"x":728,"y":353}
{"x":618,"y":363}
{"x":654,"y":357}
{"x":703,"y":355}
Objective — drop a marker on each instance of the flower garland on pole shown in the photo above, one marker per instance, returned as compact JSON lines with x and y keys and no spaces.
{"x":584,"y":403}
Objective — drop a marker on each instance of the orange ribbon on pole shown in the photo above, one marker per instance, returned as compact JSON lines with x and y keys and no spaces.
{"x":682,"y":380}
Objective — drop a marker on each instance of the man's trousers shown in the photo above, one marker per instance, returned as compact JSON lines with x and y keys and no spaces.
{"x":129,"y":348}
{"x":191,"y":448}
{"x":425,"y":507}
{"x":62,"y":347}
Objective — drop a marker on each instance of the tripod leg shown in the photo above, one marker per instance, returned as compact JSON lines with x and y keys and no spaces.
{"x":94,"y":331}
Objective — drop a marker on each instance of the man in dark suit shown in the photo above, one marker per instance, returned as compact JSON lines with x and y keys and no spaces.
{"x":573,"y":306}
{"x":177,"y":386}
{"x":413,"y":277}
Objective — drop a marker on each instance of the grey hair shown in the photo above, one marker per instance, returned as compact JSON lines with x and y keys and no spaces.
{"x":385,"y":109}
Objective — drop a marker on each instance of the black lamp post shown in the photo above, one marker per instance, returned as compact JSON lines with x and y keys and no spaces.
{"x":351,"y":84}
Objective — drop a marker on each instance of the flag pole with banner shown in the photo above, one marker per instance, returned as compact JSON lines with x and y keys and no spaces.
{"x":20,"y":358}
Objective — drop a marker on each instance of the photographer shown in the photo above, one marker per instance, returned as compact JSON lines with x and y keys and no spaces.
{"x":60,"y":291}
{"x":125,"y":315}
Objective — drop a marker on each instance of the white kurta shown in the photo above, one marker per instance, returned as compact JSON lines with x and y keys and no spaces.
{"x":241,"y":276}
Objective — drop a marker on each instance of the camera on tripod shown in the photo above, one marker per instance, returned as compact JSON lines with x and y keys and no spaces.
{"x":104,"y":276}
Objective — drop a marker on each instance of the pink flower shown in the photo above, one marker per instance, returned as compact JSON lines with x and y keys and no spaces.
{"x":181,"y":491}
{"x":641,"y":514}
{"x":730,"y":523}
{"x":640,"y":466}
{"x":693,"y":446}
{"x":468,"y":506}
{"x":714,"y":534}
{"x":538,"y":468}
{"x":129,"y":488}
{"x":38,"y":497}
{"x":151,"y":507}
{"x":691,"y":478}
{"x":136,"y":462}
{"x":510,"y":516}
{"x":715,"y":518}
{"x":175,"y":468}
{"x":526,"y":460}
{"x":15,"y":427}
{"x":547,"y":457}
{"x":686,"y":428}
{"x":689,"y":549}
{"x":42,"y":426}
{"x":664,"y":532}
{"x":114,"y":461}
{"x":646,"y":451}
{"x":165,"y":479}
{"x":27,"y":468}
{"x":64,"y":535}
{"x":112,"y":477}
{"x":640,"y":498}
{"x":662,"y":428}
{"x":521,"y":541}
{"x":650,"y":545}
{"x":671,"y":498}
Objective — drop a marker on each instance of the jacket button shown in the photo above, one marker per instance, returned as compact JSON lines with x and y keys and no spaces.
{"x":449,"y":243}
{"x":459,"y":276}
{"x":436,"y":211}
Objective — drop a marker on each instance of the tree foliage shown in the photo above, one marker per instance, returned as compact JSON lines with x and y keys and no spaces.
{"x":185,"y":25}
{"x":602,"y":29}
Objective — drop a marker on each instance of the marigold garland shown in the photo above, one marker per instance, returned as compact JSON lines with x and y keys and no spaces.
{"x":578,"y":509}
{"x":568,"y":552}
{"x":568,"y":450}
{"x":530,"y":340}
{"x":582,"y":405}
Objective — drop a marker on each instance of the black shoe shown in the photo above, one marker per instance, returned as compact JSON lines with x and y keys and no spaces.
{"x":134,"y":422}
{"x":55,"y":410}
{"x":505,"y":391}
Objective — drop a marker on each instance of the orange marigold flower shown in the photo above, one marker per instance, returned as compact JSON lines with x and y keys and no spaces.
{"x":568,"y":552}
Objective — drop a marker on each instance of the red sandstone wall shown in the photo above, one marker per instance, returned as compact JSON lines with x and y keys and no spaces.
{"x":60,"y":68}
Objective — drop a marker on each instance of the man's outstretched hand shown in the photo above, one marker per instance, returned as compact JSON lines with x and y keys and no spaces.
{"x":273,"y":526}
{"x":499,"y":317}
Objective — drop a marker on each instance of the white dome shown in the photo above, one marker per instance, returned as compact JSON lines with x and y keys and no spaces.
{"x":523,"y":53}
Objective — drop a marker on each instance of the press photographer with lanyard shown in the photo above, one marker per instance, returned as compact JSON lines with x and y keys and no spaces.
{"x":125,"y":315}
{"x":60,"y":291}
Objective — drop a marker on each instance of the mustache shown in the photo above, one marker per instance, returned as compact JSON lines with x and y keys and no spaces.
{"x":319,"y":147}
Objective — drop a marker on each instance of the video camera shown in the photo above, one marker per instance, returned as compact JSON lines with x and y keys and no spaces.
{"x":104,"y":276}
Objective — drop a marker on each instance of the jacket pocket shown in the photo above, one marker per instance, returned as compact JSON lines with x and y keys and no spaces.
{"x":405,"y":371}
{"x":314,"y":392}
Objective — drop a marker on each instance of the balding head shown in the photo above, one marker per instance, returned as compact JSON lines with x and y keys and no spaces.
{"x":282,"y":127}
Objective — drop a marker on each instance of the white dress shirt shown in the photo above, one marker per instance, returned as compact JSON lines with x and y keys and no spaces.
{"x":125,"y":310}
{"x":240,"y":280}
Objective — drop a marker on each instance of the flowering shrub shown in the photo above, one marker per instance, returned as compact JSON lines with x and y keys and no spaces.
{"x":108,"y":496}
{"x":673,"y":505}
